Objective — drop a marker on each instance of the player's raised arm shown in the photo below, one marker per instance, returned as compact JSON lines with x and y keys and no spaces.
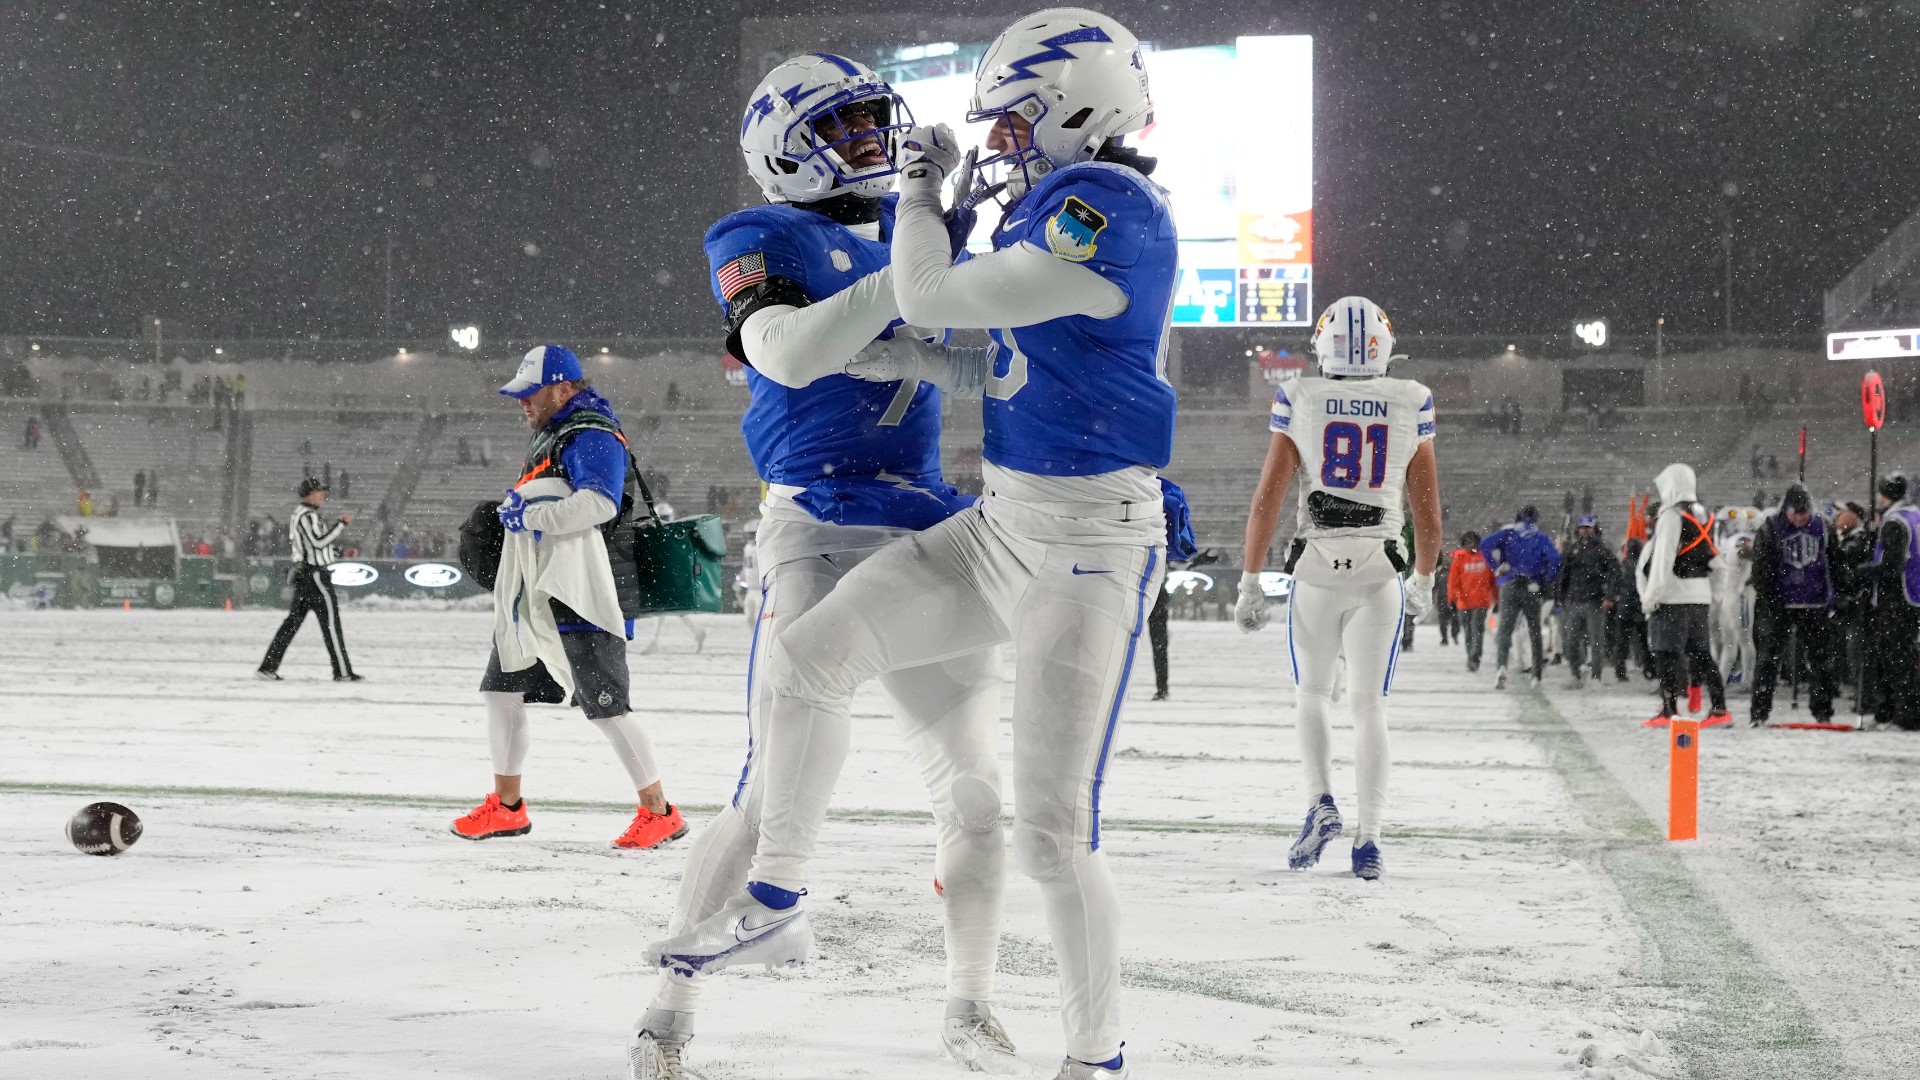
{"x":1019,"y":285}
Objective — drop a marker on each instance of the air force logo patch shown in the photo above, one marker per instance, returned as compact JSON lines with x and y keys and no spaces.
{"x":1072,"y":231}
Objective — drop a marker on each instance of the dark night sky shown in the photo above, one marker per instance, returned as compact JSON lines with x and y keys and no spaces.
{"x":548,"y":168}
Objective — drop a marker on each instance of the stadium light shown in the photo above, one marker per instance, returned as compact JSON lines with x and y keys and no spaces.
{"x":467,"y":337}
{"x":218,"y":351}
{"x":36,"y":346}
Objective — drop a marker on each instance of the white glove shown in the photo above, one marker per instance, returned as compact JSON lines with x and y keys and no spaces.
{"x":1250,"y":611}
{"x":1419,"y":599}
{"x":962,"y":371}
{"x":927,"y":155}
{"x":1502,"y":570}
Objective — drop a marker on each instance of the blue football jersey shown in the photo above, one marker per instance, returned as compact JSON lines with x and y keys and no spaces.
{"x":1079,"y":395}
{"x":867,"y":453}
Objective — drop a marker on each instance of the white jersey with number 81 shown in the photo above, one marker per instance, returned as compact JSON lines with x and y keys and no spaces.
{"x":1355,"y":438}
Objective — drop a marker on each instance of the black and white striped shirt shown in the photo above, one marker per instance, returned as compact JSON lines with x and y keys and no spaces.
{"x":312,"y":541}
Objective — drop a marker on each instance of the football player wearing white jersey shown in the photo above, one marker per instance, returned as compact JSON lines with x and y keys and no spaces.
{"x":1063,"y":555}
{"x":1362,"y":442}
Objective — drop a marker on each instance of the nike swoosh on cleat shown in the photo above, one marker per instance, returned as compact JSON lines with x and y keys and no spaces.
{"x":1077,"y":570}
{"x":754,"y":932}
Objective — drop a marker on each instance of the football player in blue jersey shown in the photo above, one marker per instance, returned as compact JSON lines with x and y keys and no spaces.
{"x":849,"y":465}
{"x":1063,"y":555}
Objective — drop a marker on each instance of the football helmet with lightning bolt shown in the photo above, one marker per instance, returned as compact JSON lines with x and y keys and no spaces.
{"x":821,"y":125}
{"x":1063,"y":82}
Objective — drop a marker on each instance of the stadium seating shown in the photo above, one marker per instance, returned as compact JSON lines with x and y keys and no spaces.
{"x":386,"y":418}
{"x":370,"y":446}
{"x":34,"y":484}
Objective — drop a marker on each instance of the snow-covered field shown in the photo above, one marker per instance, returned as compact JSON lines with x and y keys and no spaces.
{"x":298,"y":909}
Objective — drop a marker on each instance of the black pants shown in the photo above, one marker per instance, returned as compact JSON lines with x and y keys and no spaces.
{"x":1449,"y":621}
{"x":1517,"y":602}
{"x":312,"y":591}
{"x":1586,"y":632}
{"x":1473,"y":631}
{"x":1157,"y":634}
{"x":1682,"y":649}
{"x":1818,"y":654}
{"x":1627,"y":644}
{"x":1891,"y":656}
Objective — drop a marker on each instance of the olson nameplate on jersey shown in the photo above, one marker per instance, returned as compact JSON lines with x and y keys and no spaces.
{"x":1363,"y":407}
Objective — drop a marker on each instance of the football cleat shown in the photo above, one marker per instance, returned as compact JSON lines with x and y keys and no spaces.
{"x":349,"y":677}
{"x":1716,"y":718}
{"x":268,"y":676}
{"x":1500,"y":680}
{"x":491,"y":819}
{"x":976,"y":1040}
{"x":1659,"y":721}
{"x":744,"y":931}
{"x":1366,"y":861}
{"x":651,"y":830}
{"x":1323,"y":824}
{"x":654,"y":1050}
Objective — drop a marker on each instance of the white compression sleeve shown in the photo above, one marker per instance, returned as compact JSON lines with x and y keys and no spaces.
{"x":506,"y":731}
{"x":633,"y":747}
{"x":794,"y":346}
{"x":1016,"y":286}
{"x":578,"y":512}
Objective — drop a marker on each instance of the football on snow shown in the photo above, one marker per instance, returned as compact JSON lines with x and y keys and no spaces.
{"x":104,"y":828}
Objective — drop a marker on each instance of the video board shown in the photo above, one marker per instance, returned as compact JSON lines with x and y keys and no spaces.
{"x":1233,"y":134}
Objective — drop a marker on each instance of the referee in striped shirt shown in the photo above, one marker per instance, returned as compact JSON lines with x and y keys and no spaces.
{"x":312,"y":585}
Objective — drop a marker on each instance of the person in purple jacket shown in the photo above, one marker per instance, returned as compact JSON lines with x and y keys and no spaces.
{"x":1793,"y":595}
{"x":1524,"y":562}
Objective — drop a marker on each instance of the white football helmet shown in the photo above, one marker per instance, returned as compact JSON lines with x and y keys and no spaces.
{"x":1353,"y":338}
{"x":806,"y":115}
{"x":1073,"y":77}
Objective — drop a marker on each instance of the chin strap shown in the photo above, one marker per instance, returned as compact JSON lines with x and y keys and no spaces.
{"x":846,"y":208}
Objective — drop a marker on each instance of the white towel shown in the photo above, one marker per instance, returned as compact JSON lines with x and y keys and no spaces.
{"x":571,"y":568}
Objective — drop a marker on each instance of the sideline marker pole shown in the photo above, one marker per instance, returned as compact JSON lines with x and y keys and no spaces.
{"x":126,"y":605}
{"x":1683,"y":784}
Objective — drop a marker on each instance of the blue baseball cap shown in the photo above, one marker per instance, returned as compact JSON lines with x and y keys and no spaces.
{"x":543,"y":365}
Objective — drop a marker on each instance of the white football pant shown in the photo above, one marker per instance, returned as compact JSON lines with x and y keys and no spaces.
{"x":949,"y":716}
{"x":1073,"y":605}
{"x":1363,"y":621}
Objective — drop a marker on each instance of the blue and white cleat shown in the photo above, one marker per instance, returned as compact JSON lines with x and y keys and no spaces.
{"x":1323,"y":824}
{"x":744,"y":931}
{"x":1366,"y":861}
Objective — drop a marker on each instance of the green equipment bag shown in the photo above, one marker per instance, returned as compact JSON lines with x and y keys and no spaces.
{"x":677,"y":563}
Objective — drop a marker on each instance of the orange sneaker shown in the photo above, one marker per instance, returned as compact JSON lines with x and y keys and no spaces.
{"x":651,"y":830}
{"x":492,"y":819}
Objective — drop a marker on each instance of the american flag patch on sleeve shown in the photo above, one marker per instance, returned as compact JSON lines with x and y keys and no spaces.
{"x":748,"y":269}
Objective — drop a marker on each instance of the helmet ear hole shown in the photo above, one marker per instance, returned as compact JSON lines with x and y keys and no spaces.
{"x":1077,"y":119}
{"x":785,"y":166}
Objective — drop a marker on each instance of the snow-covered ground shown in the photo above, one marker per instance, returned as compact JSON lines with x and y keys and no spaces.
{"x":298,"y":909}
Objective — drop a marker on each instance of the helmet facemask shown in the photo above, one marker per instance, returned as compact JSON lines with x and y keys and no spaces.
{"x":833,"y":131}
